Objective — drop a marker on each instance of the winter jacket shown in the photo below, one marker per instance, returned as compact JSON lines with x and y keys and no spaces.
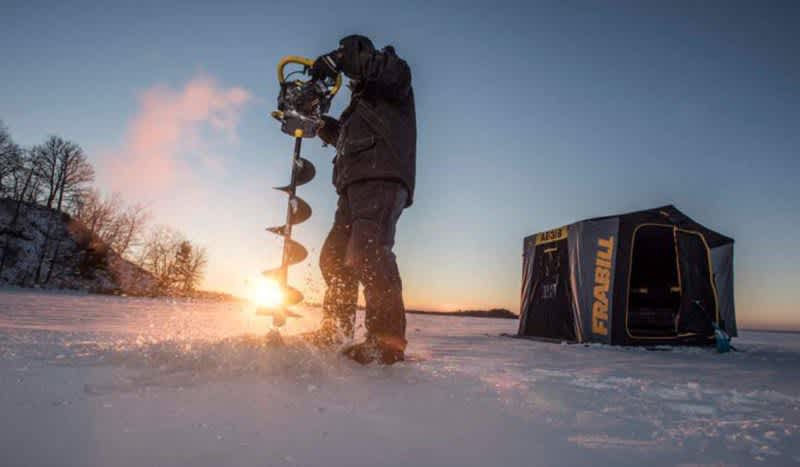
{"x":377,"y":132}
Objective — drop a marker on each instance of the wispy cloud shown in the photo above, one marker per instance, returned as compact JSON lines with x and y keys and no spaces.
{"x":169,"y":132}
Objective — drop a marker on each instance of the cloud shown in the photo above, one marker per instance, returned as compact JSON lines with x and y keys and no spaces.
{"x":171,"y":130}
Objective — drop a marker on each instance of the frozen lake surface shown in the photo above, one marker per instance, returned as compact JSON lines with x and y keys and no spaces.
{"x":107,"y":381}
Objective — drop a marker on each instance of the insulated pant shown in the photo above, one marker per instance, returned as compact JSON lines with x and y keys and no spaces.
{"x":359,"y":249}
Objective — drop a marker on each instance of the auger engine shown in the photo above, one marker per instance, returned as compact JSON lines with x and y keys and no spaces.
{"x":301,"y":104}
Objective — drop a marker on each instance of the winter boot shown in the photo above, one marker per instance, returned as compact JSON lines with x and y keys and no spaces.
{"x":328,"y":336}
{"x":384,"y":350}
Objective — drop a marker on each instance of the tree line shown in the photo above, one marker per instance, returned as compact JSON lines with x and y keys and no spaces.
{"x":56,"y":174}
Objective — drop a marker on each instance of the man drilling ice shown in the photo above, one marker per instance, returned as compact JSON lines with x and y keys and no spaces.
{"x":373,"y":172}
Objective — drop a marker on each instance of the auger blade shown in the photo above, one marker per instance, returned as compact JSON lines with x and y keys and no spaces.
{"x":292,"y":296}
{"x":280,"y":230}
{"x":305,"y":171}
{"x":264,"y":311}
{"x":274,"y":274}
{"x":294,"y":252}
{"x":278,"y":314}
{"x":300,"y":210}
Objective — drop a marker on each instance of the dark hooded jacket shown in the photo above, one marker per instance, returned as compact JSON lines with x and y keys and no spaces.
{"x":377,"y":132}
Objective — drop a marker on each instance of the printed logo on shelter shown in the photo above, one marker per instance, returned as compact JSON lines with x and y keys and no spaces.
{"x":551,"y":236}
{"x":602,"y":284}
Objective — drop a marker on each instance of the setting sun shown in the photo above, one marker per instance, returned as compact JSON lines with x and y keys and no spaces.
{"x":266,"y":293}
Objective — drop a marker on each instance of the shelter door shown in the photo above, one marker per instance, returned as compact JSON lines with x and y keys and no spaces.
{"x":550,"y":313}
{"x":698,"y":308}
{"x":653,"y":285}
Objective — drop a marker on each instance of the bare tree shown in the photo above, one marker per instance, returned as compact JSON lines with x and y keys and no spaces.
{"x":75,"y":175}
{"x":190,"y":263}
{"x":158,"y":255}
{"x":5,"y":139}
{"x":62,"y":171}
{"x":16,"y":174}
{"x":44,"y":158}
{"x":176,"y":264}
{"x":106,"y":217}
{"x":21,"y":180}
{"x":98,"y":213}
{"x":10,"y":161}
{"x":132,"y":223}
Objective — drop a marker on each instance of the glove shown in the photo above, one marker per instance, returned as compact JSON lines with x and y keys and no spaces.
{"x":329,"y":132}
{"x":326,"y":66}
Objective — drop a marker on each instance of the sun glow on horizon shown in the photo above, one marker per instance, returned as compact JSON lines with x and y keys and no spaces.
{"x":265,"y":292}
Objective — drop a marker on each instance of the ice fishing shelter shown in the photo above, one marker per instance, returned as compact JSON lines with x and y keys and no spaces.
{"x":646,"y":277}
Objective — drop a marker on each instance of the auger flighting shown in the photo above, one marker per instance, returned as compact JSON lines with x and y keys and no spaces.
{"x":301,"y":104}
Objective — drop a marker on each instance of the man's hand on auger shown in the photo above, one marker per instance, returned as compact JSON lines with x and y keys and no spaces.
{"x":326,"y":66}
{"x":329,"y":132}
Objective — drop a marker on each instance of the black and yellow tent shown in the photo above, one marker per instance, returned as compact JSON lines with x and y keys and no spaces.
{"x":646,"y":277}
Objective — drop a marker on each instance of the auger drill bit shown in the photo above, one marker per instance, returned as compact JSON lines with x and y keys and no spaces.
{"x":297,"y":211}
{"x":301,"y":104}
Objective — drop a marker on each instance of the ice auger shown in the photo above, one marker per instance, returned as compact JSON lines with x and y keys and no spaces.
{"x":301,"y":104}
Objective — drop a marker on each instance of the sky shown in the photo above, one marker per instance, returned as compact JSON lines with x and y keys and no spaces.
{"x":531,"y":115}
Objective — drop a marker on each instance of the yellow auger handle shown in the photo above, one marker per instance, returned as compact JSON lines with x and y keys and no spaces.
{"x":307,"y":62}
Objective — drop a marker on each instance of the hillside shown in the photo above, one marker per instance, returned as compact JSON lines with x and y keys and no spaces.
{"x":48,"y":249}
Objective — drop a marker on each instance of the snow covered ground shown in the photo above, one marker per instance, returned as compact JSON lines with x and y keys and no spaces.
{"x":105,"y":381}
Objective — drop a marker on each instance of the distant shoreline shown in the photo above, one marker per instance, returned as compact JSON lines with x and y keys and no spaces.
{"x":497,"y":313}
{"x":778,"y":331}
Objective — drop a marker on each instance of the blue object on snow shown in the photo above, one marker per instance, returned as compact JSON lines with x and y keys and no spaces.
{"x":722,"y":338}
